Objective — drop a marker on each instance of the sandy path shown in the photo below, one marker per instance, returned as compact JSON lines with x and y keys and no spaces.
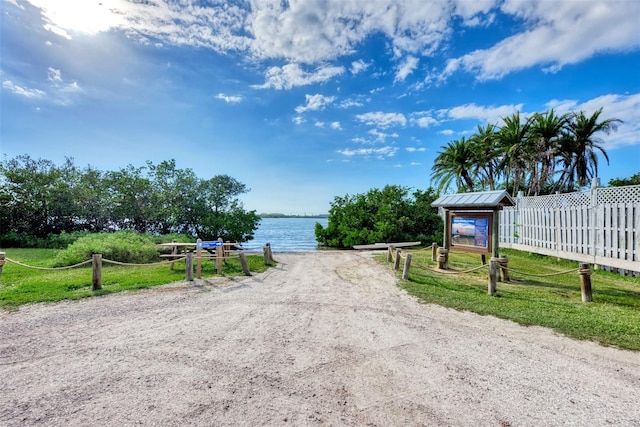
{"x":323,"y":339}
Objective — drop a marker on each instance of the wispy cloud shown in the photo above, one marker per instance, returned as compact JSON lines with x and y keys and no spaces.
{"x":314,"y":103}
{"x":382,"y":120}
{"x":406,"y":68}
{"x":230,"y":99}
{"x":22,"y":91}
{"x":380,"y":153}
{"x":291,"y":75}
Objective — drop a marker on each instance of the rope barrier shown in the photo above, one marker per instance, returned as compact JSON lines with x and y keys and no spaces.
{"x":108,"y":261}
{"x":425,"y":267}
{"x":545,"y":275}
{"x":48,"y":268}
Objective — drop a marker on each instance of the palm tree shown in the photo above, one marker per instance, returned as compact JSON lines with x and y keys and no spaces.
{"x":579,"y":146}
{"x":487,"y":155}
{"x":516,"y":150}
{"x":544,"y":135}
{"x":455,"y":161}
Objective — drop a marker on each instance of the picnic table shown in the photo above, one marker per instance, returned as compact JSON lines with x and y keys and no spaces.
{"x":180,"y":249}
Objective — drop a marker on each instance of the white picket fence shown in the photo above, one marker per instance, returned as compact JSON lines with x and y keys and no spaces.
{"x":599,"y":226}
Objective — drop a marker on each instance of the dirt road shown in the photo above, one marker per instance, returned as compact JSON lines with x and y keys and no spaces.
{"x":322,"y":339}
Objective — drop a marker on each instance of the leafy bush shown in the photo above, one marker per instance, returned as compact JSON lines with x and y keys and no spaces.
{"x":387,"y":215}
{"x":122,"y":246}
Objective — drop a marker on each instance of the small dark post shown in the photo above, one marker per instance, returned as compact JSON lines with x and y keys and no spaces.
{"x":585,"y":282}
{"x":396,"y":264}
{"x":407,"y":266}
{"x":390,"y":253}
{"x":243,"y":263}
{"x":174,"y":252}
{"x":3,"y":257}
{"x":96,"y":270}
{"x":493,"y":273}
{"x":270,"y":252}
{"x":189,"y":267}
{"x":483,"y":258}
{"x":443,"y":258}
{"x":265,"y":252}
{"x":434,"y":251}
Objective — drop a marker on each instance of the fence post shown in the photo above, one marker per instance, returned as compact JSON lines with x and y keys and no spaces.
{"x":443,"y":258}
{"x":434,"y":251}
{"x":219,"y":254}
{"x":3,"y":257}
{"x":199,"y":259}
{"x":407,"y":266}
{"x":96,"y":272}
{"x":270,"y":252}
{"x":265,"y":252}
{"x":396,"y":264}
{"x":504,"y":267}
{"x":493,"y":273}
{"x":243,"y":263}
{"x":585,"y":282}
{"x":390,"y":253}
{"x":174,"y":251}
{"x":189,"y":267}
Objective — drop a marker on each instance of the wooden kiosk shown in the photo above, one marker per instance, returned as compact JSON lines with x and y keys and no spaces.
{"x":471,"y":222}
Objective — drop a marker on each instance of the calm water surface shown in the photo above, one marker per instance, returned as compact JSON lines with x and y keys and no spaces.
{"x":286,"y":234}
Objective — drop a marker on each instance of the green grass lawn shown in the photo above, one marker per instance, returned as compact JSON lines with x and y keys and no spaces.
{"x":613,"y":318}
{"x":20,"y":285}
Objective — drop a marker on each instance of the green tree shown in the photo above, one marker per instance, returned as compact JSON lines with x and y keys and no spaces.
{"x":516,"y":150}
{"x":544,"y":134}
{"x":456,"y":162}
{"x":620,"y":182}
{"x":486,"y":156}
{"x":579,"y":147}
{"x":387,"y":215}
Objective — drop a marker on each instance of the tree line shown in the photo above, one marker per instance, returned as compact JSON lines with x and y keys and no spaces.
{"x":542,"y":154}
{"x":39,"y":198}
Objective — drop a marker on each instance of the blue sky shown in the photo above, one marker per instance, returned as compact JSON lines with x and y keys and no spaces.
{"x":306,"y":100}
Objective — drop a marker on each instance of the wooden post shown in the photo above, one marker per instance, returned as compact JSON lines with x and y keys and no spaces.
{"x":174,"y":252}
{"x":199,"y":259}
{"x":219,"y":254}
{"x":407,"y":266}
{"x":265,"y":252}
{"x":189,"y":267}
{"x":243,"y":263}
{"x":396,"y":264}
{"x":3,"y":257}
{"x":434,"y":251}
{"x":483,"y":258}
{"x":390,"y":249}
{"x":504,"y":267}
{"x":96,"y":270}
{"x":270,"y":253}
{"x":585,"y":282}
{"x":443,"y":258}
{"x":493,"y":273}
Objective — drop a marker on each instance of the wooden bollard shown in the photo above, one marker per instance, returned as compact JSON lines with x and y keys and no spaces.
{"x":265,"y":253}
{"x":396,"y":264}
{"x":96,"y":272}
{"x":504,"y":267}
{"x":407,"y":266}
{"x":443,"y":258}
{"x":434,"y":251}
{"x":585,"y":282}
{"x":3,"y":260}
{"x":493,"y":275}
{"x":219,"y":254}
{"x":189,"y":267}
{"x":243,"y":263}
{"x":174,"y":252}
{"x":390,"y":253}
{"x":199,"y":259}
{"x":270,"y":252}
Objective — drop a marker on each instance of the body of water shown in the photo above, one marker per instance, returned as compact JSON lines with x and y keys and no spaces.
{"x":286,"y":234}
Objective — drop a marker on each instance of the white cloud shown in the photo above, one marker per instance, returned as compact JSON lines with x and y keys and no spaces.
{"x":380,"y":153}
{"x":406,"y":68}
{"x":382,"y":136}
{"x":292,"y":75}
{"x":554,"y":35}
{"x":348,"y":103}
{"x":54,"y":75}
{"x":382,"y":120}
{"x":314,"y":103}
{"x":446,"y":132}
{"x":414,"y":149}
{"x":230,"y":99}
{"x":415,"y":164}
{"x":319,"y":124}
{"x":335,"y":125}
{"x":358,"y":66}
{"x":484,"y":114}
{"x":298,"y":120}
{"x":21,"y":91}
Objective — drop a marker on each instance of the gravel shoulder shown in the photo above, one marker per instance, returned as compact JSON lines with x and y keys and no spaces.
{"x":324,"y":338}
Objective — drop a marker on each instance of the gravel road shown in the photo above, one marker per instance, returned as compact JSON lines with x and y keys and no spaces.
{"x":324,"y":338}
